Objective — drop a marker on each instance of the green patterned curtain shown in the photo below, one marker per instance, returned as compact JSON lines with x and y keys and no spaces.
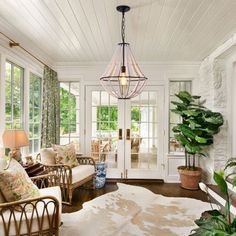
{"x":50,"y":129}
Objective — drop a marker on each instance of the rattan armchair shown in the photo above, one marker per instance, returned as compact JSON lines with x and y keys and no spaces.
{"x":35,"y":216}
{"x":72,"y":178}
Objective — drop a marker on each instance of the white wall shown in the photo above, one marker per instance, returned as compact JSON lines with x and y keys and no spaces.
{"x":230,"y":63}
{"x":218,"y":85}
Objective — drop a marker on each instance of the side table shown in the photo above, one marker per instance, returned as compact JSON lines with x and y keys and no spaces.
{"x":34,"y":169}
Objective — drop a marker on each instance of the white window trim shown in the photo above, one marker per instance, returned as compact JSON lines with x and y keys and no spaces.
{"x":28,"y":66}
{"x":174,"y":79}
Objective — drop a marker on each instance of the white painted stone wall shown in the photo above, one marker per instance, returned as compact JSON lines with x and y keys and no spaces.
{"x":213,"y":89}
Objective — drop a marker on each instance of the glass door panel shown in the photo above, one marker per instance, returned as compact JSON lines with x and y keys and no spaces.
{"x":104,"y":128}
{"x":146,"y":134}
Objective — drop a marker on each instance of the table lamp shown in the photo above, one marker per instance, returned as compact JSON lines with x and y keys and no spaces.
{"x":15,"y":139}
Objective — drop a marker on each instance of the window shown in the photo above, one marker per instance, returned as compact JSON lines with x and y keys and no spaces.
{"x":174,"y":88}
{"x":34,"y":112}
{"x":69,"y":113}
{"x":14,"y":96}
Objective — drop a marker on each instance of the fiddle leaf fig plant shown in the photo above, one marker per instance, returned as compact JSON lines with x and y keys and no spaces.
{"x":198,"y":125}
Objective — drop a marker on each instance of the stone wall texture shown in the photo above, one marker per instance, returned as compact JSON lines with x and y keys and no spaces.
{"x":213,"y":89}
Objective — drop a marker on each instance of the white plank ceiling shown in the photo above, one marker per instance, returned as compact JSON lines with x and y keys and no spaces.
{"x":88,"y":30}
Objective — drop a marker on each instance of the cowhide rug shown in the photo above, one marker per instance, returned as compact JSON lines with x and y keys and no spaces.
{"x":134,"y":211}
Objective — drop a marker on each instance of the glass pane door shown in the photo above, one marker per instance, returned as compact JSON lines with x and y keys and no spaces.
{"x":104,"y":128}
{"x":126,"y":134}
{"x":144,"y":130}
{"x":146,"y":141}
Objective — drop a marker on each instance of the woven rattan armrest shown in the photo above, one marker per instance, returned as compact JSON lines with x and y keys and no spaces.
{"x":21,"y":202}
{"x":85,"y":160}
{"x":63,"y":172}
{"x":39,"y":212}
{"x":64,"y":175}
{"x":46,"y":180}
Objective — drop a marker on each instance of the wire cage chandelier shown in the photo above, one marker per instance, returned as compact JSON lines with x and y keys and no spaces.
{"x":123,"y":78}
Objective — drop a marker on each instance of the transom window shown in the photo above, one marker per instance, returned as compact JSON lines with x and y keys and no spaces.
{"x":14,"y":96}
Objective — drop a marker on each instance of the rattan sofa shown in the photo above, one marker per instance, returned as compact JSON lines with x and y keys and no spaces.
{"x":71,"y":178}
{"x":44,"y":218}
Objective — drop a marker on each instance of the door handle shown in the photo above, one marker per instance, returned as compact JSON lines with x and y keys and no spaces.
{"x":127,"y":134}
{"x":126,"y":173}
{"x":120,"y":134}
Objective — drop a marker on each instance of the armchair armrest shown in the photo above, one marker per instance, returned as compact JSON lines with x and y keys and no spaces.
{"x":63,"y":172}
{"x":64,"y":175}
{"x":43,"y":216}
{"x":47,"y":180}
{"x":85,"y":160}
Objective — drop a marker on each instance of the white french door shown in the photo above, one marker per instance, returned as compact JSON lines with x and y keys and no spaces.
{"x":127,"y":134}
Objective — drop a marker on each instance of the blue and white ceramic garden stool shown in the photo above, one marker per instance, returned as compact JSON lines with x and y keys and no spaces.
{"x":100,"y":174}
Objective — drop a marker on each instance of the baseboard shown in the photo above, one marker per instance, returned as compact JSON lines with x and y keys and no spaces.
{"x":134,"y":180}
{"x":172,"y":179}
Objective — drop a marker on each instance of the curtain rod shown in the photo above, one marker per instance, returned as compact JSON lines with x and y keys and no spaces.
{"x":13,"y":43}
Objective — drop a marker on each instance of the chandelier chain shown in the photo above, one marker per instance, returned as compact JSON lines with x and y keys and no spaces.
{"x":123,"y":27}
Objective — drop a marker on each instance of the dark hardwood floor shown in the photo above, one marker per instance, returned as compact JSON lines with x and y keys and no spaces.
{"x":84,"y":194}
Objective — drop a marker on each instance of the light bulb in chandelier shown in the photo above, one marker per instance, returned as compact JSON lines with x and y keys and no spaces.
{"x":123,"y":76}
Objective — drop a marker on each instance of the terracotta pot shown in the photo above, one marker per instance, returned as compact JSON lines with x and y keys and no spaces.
{"x":190,"y":178}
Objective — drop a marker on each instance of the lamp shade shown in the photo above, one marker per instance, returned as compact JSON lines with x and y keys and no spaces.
{"x":15,"y":138}
{"x":123,"y":84}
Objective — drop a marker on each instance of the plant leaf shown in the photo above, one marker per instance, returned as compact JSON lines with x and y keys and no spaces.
{"x":192,"y":149}
{"x":214,"y":213}
{"x":221,"y":183}
{"x":177,"y":111}
{"x":181,"y":139}
{"x":185,"y":97}
{"x":176,"y":129}
{"x":187,"y":131}
{"x":181,"y":106}
{"x":191,"y":113}
{"x":230,"y":163}
{"x":215,"y":118}
{"x":196,"y":97}
{"x":201,"y":139}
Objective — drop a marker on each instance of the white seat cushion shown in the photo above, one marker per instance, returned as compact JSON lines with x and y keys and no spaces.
{"x":55,"y":192}
{"x":81,"y":172}
{"x":52,"y":191}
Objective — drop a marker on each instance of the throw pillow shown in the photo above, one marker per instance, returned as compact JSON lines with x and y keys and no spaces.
{"x":66,"y":155}
{"x":15,"y":184}
{"x":48,"y":156}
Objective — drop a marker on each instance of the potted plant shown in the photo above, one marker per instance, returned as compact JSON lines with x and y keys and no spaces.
{"x":216,"y":222}
{"x":194,"y":133}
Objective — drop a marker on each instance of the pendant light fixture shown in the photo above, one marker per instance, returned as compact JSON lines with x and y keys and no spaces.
{"x":123,"y":78}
